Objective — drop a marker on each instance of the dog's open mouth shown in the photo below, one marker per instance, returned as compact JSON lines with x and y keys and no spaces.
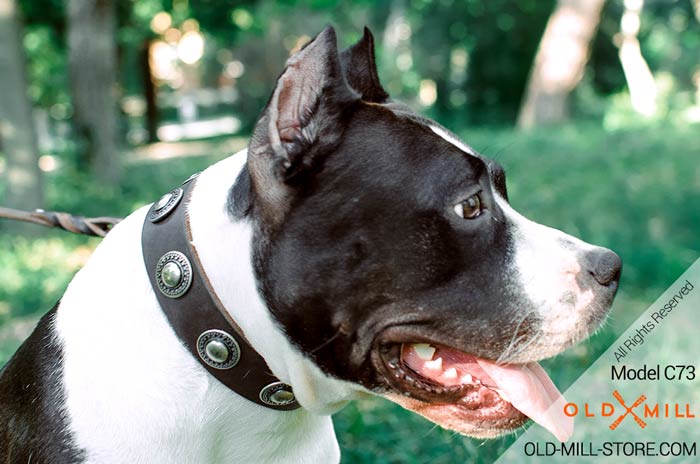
{"x":471,"y":395}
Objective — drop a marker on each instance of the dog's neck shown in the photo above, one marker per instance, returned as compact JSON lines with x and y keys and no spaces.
{"x":133,"y":393}
{"x":224,"y":248}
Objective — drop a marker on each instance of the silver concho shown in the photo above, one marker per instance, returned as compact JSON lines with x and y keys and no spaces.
{"x":173,"y":274}
{"x":277,"y":394}
{"x":218,"y":349}
{"x":192,"y":177}
{"x":165,"y":205}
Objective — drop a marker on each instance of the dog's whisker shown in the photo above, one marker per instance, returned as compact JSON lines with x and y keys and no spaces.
{"x":326,"y":342}
{"x":526,"y":344}
{"x":431,"y":429}
{"x":513,"y":338}
{"x":527,"y":341}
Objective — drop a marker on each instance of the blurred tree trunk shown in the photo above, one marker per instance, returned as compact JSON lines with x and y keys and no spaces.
{"x":560,"y":62}
{"x":149,"y":92}
{"x":640,"y":80}
{"x":92,"y":58}
{"x":17,"y":137}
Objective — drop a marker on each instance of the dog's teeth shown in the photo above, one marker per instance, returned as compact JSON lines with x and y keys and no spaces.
{"x":434,"y":365}
{"x":450,"y":373}
{"x":467,"y":378}
{"x":424,"y":351}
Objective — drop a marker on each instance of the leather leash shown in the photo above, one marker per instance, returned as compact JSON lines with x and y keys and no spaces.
{"x":195,"y":312}
{"x":77,"y":224}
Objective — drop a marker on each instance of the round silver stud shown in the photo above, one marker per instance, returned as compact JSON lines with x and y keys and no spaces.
{"x":164,"y":200}
{"x":165,"y":205}
{"x":218,"y":349}
{"x":173,"y":274}
{"x":277,"y":394}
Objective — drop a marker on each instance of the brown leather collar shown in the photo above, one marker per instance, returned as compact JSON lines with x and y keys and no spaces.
{"x":195,"y":312}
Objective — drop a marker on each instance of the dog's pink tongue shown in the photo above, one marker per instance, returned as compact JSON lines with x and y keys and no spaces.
{"x":530,"y":390}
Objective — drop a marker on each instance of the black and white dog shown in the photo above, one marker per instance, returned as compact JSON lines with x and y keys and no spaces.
{"x":361,"y":248}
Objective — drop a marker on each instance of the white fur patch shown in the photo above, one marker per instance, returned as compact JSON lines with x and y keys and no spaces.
{"x":456,"y":142}
{"x":547,"y":265}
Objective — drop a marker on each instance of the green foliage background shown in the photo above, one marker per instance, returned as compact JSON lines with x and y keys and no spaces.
{"x":499,"y":38}
{"x":608,"y":176}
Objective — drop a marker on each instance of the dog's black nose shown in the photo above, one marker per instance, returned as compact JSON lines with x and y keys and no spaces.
{"x":604,"y":265}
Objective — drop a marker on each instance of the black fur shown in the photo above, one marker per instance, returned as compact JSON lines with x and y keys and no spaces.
{"x":33,"y":425}
{"x":360,"y":69}
{"x":363,"y":249}
{"x":240,"y":199}
{"x":368,"y":238}
{"x":372,"y":243}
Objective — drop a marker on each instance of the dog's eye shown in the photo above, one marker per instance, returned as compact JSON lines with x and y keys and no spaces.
{"x":469,"y":208}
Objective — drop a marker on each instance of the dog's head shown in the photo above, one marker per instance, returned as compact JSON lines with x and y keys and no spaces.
{"x":388,"y":253}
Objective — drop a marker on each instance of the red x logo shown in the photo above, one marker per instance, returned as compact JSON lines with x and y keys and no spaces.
{"x":628,"y":410}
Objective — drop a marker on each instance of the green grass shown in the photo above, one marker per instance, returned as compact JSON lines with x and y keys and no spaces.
{"x":636,"y":192}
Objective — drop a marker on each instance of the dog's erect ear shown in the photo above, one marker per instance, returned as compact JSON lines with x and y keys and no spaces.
{"x":360,"y":69}
{"x":303,"y":120}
